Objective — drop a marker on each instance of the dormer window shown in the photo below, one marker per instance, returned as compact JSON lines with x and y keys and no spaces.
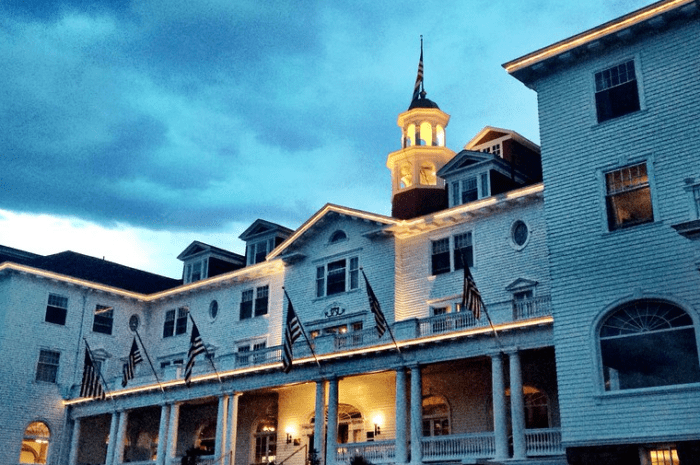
{"x":494,"y":149}
{"x":196,"y":271}
{"x":259,"y":250}
{"x":470,"y":189}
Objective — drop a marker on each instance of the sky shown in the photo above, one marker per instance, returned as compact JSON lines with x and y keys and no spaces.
{"x":130,"y":129}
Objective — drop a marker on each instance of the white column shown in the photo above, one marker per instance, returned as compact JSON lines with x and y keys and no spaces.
{"x":163,"y":434}
{"x":319,"y":417}
{"x":500,"y":428}
{"x":401,"y":454}
{"x":121,"y":438}
{"x":232,"y":428}
{"x":219,"y":446}
{"x":173,"y":423}
{"x":109,"y":459}
{"x":517,"y":406}
{"x":74,"y":442}
{"x":332,"y":426}
{"x":416,"y":416}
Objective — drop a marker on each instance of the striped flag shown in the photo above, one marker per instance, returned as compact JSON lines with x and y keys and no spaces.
{"x":196,"y":348}
{"x":419,"y":77}
{"x":130,"y":365}
{"x":91,"y":386}
{"x":292,"y":332}
{"x":379,"y":318}
{"x":471,"y":298}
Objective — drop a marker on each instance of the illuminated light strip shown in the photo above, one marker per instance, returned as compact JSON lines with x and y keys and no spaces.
{"x":365,"y":350}
{"x":592,"y":34}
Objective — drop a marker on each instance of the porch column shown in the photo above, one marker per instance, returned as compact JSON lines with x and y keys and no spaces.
{"x":173,"y":423}
{"x":109,"y":459}
{"x":332,"y":427}
{"x":74,"y":442}
{"x":500,"y":428}
{"x":219,"y":446}
{"x":162,"y":434}
{"x":319,"y":417}
{"x":232,"y":427}
{"x":517,"y":406}
{"x":121,"y":438}
{"x":401,"y":454}
{"x":416,"y":416}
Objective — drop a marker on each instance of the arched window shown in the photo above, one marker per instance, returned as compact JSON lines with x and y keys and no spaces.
{"x":266,"y":441}
{"x":35,"y":445}
{"x":405,"y":175}
{"x":205,"y":437}
{"x":338,"y":236}
{"x":426,"y":134}
{"x":427,"y":174}
{"x":648,"y":343}
{"x":440,"y":136}
{"x":536,"y":407}
{"x":411,"y":134}
{"x":350,"y":423}
{"x":436,"y":416}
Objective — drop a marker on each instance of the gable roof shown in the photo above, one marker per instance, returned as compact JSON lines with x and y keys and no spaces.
{"x":464,"y":159}
{"x":261,"y":227}
{"x":330,"y":209}
{"x":22,"y":257}
{"x":197,"y":247}
{"x":492,"y":132}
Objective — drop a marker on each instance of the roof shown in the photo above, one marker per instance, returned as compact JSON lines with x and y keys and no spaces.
{"x":422,"y":102}
{"x":262,"y":227}
{"x":104,"y":272}
{"x":9,"y":254}
{"x":197,"y":247}
{"x":528,"y":67}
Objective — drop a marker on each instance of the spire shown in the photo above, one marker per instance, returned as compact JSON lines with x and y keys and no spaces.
{"x":418,"y":90}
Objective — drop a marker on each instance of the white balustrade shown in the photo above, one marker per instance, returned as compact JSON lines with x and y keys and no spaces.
{"x":375,"y":451}
{"x":541,"y":442}
{"x":459,"y":446}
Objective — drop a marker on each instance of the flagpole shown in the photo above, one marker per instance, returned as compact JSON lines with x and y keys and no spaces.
{"x":465,"y":265}
{"x":493,"y":328}
{"x":211,"y":359}
{"x":388,"y":326}
{"x":104,"y":382}
{"x":303,"y":331}
{"x":149,"y":361}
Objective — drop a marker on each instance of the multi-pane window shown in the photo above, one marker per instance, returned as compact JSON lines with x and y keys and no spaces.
{"x":436,"y":417}
{"x":56,"y":309}
{"x":628,"y":197}
{"x":337,"y":276}
{"x":696,"y":200}
{"x":469,"y":189}
{"x":196,"y":271}
{"x":259,"y":250}
{"x":103,"y":320}
{"x":254,"y":302}
{"x":462,"y":248}
{"x":616,"y":92}
{"x":175,"y":322}
{"x":664,"y":456}
{"x":35,"y":443}
{"x":47,"y":367}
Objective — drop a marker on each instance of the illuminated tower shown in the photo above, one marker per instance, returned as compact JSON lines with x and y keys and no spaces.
{"x":415,"y":187}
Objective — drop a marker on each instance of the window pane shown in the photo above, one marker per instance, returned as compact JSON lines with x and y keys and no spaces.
{"x":104,"y":317}
{"x":56,"y":309}
{"x":47,"y":368}
{"x":169,"y":325}
{"x":261,"y":301}
{"x":440,"y":260}
{"x":629,"y":197}
{"x":616,"y":91}
{"x":246,"y":304}
{"x":469,"y":190}
{"x":320,"y":280}
{"x":354,"y":272}
{"x":463,"y":249}
{"x":181,"y":323}
{"x":336,"y":277}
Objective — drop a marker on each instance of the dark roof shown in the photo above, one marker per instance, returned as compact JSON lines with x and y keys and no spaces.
{"x":22,"y":257}
{"x":104,"y":272}
{"x":422,"y":102}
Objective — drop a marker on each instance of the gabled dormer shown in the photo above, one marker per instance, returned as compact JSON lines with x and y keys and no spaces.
{"x":202,"y":261}
{"x":495,"y":161}
{"x":261,"y":238}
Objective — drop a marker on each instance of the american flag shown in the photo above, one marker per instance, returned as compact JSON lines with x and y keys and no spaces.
{"x":379,"y":318}
{"x":196,"y":348}
{"x":471,"y":298}
{"x":130,"y":365}
{"x":91,"y":386}
{"x":419,"y":77}
{"x":291,"y":333}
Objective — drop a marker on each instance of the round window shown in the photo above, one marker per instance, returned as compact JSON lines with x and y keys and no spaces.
{"x":134,"y":322}
{"x":213,"y":309}
{"x":519,"y":233}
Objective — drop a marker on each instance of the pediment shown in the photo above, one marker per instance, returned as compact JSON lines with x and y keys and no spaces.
{"x":520,"y":284}
{"x":464,"y":159}
{"x":262,"y":227}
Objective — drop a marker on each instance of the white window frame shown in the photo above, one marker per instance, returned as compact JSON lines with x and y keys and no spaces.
{"x":646,"y":185}
{"x":99,"y":310}
{"x":351,"y":275}
{"x":458,"y":188}
{"x":618,"y":60}
{"x":190,"y":275}
{"x":257,"y":294}
{"x":178,"y":314}
{"x":451,"y":240}
{"x":43,"y":362}
{"x":59,"y":302}
{"x":263,"y":246}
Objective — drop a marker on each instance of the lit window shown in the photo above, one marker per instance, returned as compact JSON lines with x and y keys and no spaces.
{"x":35,"y":443}
{"x":57,"y":309}
{"x":436,"y":417}
{"x":254,"y":302}
{"x":664,"y":456}
{"x":337,"y":276}
{"x":266,"y":441}
{"x":405,"y":175}
{"x":427,"y":174}
{"x":628,"y":197}
{"x":616,"y":92}
{"x":47,"y":367}
{"x":175,"y":322}
{"x":647,"y":343}
{"x":103,"y":319}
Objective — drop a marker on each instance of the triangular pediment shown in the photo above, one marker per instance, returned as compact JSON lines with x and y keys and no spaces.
{"x":464,"y":159}
{"x":195,"y":248}
{"x":520,"y":284}
{"x":262,"y":227}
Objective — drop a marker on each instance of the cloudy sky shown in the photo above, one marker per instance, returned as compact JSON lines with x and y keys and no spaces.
{"x":130,"y":129}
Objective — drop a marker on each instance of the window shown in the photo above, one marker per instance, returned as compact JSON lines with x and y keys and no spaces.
{"x":196,"y":271}
{"x":628,"y":197}
{"x":470,"y":189}
{"x":338,"y":236}
{"x":436,"y":416}
{"x":616,"y":92}
{"x":696,"y":200}
{"x":47,"y":367}
{"x":246,"y":349}
{"x":664,"y":456}
{"x":213,"y":309}
{"x":266,"y":441}
{"x":175,"y":322}
{"x":405,"y":175}
{"x":102,"y":322}
{"x":519,"y":234}
{"x":428,"y":176}
{"x":648,"y":343}
{"x":442,"y":261}
{"x":494,"y":149}
{"x":254,"y":302}
{"x":259,"y":250}
{"x":337,"y":276}
{"x":56,"y":309}
{"x":35,"y":443}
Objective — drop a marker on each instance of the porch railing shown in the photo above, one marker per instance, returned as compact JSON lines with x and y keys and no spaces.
{"x":375,"y":452}
{"x":447,"y":323}
{"x":532,"y":308}
{"x":459,"y":446}
{"x":540,"y":442}
{"x":259,"y":357}
{"x":360,"y":338}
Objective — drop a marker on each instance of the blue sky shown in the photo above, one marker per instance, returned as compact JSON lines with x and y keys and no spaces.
{"x":130,"y":129}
